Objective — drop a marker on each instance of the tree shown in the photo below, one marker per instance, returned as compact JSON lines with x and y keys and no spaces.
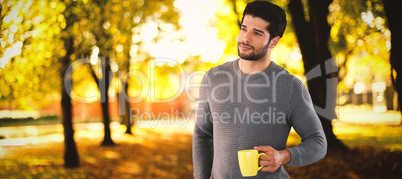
{"x":102,"y":36}
{"x":313,"y":36}
{"x":113,"y":31}
{"x":71,"y":158}
{"x":36,"y":56}
{"x":392,"y":12}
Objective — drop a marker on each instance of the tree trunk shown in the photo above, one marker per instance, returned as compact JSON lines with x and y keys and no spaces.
{"x":104,"y":87}
{"x":124,"y":105}
{"x":313,"y":38}
{"x":71,"y":158}
{"x":127,"y":117}
{"x":393,"y":13}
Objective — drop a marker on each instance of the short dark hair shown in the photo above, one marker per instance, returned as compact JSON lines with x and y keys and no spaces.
{"x":269,"y":12}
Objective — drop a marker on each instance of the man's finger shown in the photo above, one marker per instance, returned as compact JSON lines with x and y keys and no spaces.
{"x":266,"y":163}
{"x":269,"y":169}
{"x":266,"y":149}
{"x":265,"y":157}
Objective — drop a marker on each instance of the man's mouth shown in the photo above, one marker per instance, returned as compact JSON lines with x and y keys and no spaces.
{"x":245,"y":47}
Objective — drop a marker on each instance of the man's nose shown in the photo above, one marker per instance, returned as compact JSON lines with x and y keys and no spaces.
{"x":247,"y":37}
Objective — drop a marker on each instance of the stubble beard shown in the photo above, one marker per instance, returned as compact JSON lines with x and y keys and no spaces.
{"x":255,"y":54}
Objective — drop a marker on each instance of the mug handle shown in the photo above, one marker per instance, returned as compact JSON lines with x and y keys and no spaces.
{"x":259,"y":155}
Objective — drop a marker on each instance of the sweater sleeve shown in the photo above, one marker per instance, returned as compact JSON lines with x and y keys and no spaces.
{"x":306,"y":123}
{"x":202,"y":136}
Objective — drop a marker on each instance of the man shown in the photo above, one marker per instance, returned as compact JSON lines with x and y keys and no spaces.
{"x":253,"y":103}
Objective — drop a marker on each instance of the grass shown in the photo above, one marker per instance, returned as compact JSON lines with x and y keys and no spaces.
{"x":45,"y":120}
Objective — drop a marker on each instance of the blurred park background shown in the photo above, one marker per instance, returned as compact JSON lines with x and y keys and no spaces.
{"x":108,"y":88}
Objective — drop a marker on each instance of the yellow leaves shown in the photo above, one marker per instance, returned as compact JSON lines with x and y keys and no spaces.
{"x":56,"y":30}
{"x":240,"y":6}
{"x":334,"y":34}
{"x":29,"y":40}
{"x":130,"y":167}
{"x":61,"y":7}
{"x":63,"y":25}
{"x":359,"y":31}
{"x":62,"y":52}
{"x":116,"y":7}
{"x":53,"y":5}
{"x":84,"y":87}
{"x":373,"y":62}
{"x":48,"y":54}
{"x":42,"y":3}
{"x":351,"y":38}
{"x":111,"y":154}
{"x":96,"y":10}
{"x":19,"y":78}
{"x":72,"y":57}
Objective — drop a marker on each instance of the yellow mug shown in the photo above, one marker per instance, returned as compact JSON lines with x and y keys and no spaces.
{"x":248,"y":162}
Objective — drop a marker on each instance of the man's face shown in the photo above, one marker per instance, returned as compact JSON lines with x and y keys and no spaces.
{"x":253,"y":40}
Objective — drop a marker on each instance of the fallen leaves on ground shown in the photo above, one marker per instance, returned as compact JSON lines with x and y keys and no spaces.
{"x":156,"y":153}
{"x":358,"y":162}
{"x":146,"y":154}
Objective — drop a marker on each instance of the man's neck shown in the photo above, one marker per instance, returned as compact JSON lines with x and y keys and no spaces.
{"x":252,"y":67}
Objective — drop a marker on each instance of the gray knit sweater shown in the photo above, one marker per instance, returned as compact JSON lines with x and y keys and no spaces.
{"x":238,"y":111}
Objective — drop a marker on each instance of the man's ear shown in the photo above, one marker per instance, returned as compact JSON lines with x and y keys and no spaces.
{"x":274,"y":42}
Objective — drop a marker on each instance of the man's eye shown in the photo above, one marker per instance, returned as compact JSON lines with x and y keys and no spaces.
{"x":243,"y":29}
{"x":256,"y":33}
